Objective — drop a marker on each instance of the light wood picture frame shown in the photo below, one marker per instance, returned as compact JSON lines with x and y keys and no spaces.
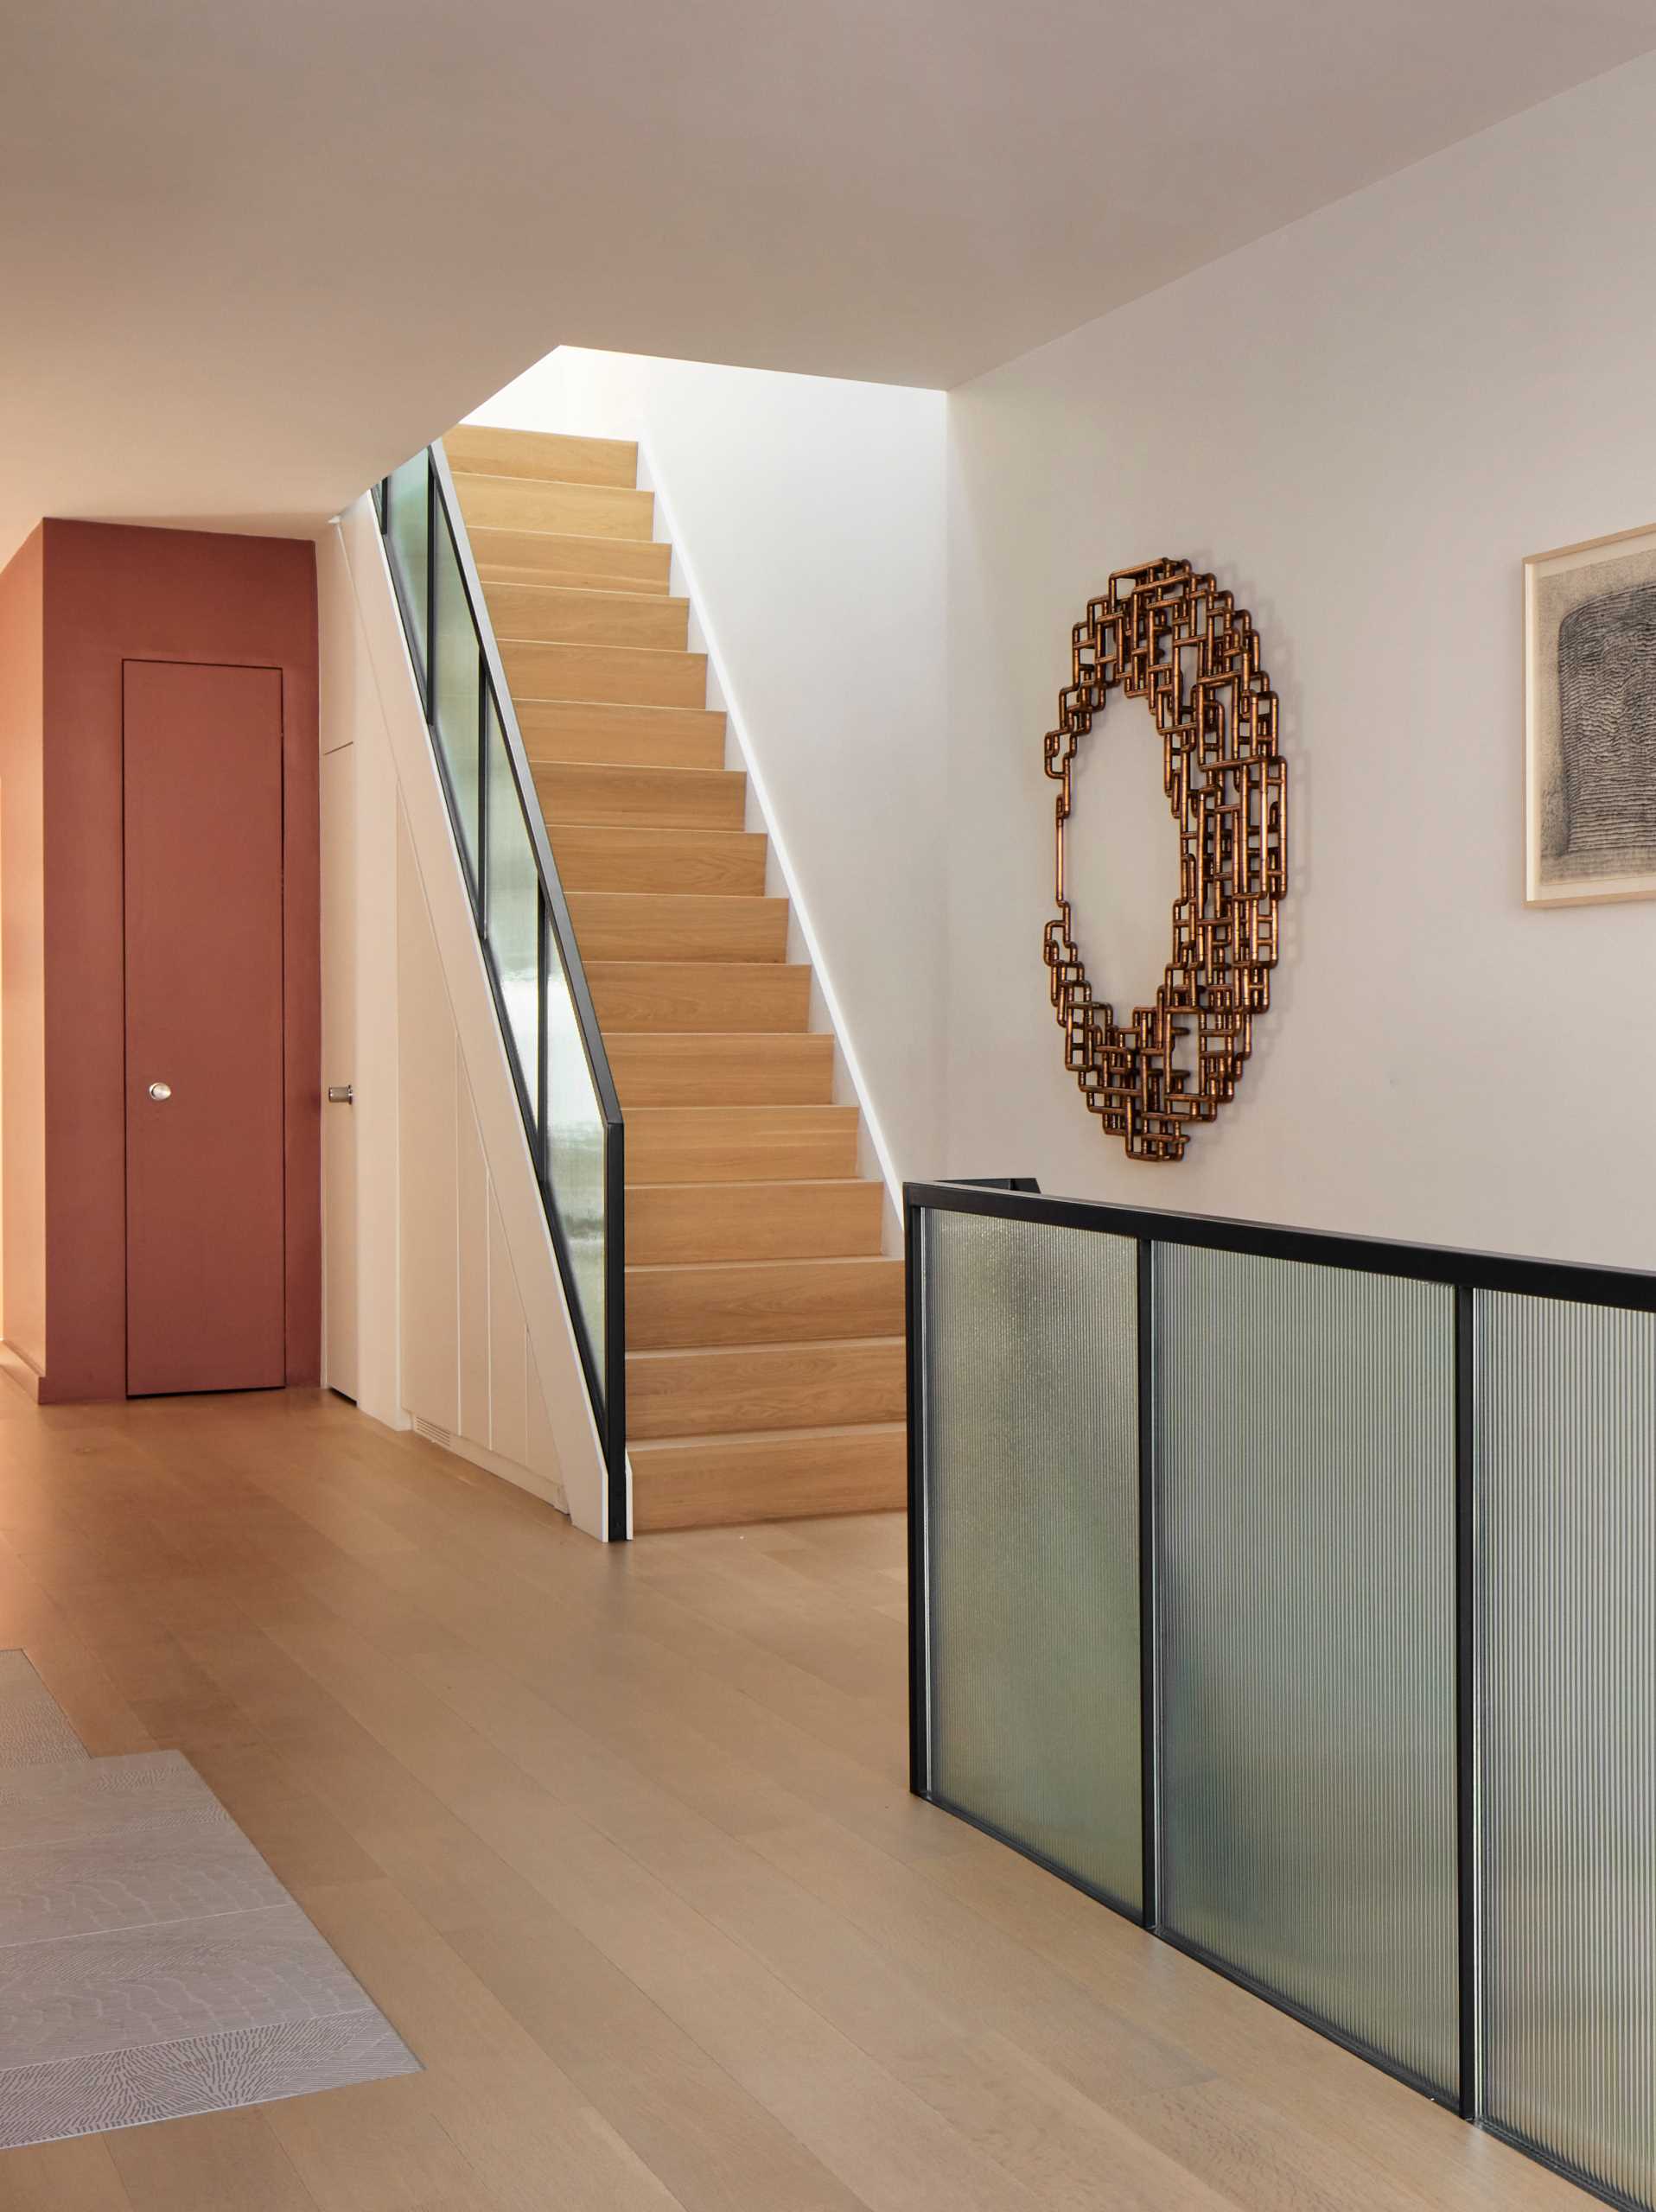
{"x":1590,"y":720}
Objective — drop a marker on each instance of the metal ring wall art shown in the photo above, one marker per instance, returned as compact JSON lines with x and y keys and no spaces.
{"x":1171,"y":637}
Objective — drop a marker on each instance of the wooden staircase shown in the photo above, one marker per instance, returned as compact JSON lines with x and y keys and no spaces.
{"x":764,"y":1326}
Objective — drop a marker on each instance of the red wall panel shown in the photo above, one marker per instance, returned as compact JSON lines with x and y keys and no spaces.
{"x":114,"y":593}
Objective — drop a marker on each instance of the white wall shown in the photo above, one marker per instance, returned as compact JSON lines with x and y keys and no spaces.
{"x":1361,"y":424}
{"x":808,"y":516}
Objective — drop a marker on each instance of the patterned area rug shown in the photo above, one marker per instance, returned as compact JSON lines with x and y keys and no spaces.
{"x":151,"y":1965}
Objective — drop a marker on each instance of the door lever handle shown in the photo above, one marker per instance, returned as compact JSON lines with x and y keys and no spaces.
{"x":339,"y":1094}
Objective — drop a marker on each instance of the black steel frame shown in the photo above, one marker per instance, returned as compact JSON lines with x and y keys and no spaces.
{"x":606,"y":1376}
{"x":1465,"y":1274}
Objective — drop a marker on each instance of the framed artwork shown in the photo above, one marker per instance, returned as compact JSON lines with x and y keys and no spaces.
{"x":1589,"y":697}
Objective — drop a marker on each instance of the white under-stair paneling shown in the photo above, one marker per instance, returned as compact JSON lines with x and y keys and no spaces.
{"x":466,"y":1362}
{"x":463,"y":1327}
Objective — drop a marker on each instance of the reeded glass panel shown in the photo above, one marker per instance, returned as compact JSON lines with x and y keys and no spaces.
{"x":511,"y":899}
{"x":406,"y":533}
{"x":455,"y":706}
{"x":1567,"y":1416}
{"x":575,"y":1130}
{"x":1307,"y":1467}
{"x":1031,"y":1424}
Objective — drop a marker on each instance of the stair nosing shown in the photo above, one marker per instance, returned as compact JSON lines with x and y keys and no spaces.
{"x":620,"y":706}
{"x":555,"y":483}
{"x":766,"y":967}
{"x":773,"y":1344}
{"x":580,"y":644}
{"x":730,"y":1436}
{"x":593,"y":591}
{"x":702,"y":897}
{"x":720,"y":1036}
{"x":561,"y":536}
{"x":833,"y":1106}
{"x":626,"y":767}
{"x":776,"y":1183}
{"x":806,"y":1259}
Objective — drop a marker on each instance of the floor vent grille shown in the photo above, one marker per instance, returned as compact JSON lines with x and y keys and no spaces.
{"x":432,"y":1433}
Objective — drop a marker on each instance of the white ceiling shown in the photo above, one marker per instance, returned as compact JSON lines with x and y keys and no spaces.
{"x":254,"y":251}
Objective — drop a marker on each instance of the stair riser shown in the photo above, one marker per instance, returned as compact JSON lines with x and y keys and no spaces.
{"x":709,"y":1222}
{"x":631,"y":925}
{"x":663,"y":798}
{"x":562,"y":510}
{"x":681,"y":997}
{"x":550,"y":455}
{"x":502,"y":572}
{"x":620,"y":673}
{"x":721,"y":1071}
{"x":670,"y":1144}
{"x":785,"y":1303}
{"x":620,"y":736}
{"x":734,"y":1481}
{"x":542,"y":557}
{"x":598,"y":617}
{"x":787,"y":1386}
{"x":713,"y":863}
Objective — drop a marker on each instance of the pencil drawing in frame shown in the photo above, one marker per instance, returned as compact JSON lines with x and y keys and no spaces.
{"x":1590,"y":692}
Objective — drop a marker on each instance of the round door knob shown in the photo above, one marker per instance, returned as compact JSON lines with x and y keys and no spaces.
{"x":160,"y":1091}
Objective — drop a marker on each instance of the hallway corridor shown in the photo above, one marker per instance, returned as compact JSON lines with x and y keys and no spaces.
{"x":620,"y":1841}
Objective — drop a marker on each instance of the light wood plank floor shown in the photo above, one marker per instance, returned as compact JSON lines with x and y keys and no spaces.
{"x":620,"y":1842}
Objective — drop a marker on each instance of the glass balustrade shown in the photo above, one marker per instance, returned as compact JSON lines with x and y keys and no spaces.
{"x":571,"y":1117}
{"x":1316,"y":1577}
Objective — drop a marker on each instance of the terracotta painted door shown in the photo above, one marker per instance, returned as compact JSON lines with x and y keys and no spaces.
{"x":205,"y":1249}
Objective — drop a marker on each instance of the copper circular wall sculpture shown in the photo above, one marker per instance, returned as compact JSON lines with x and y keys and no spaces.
{"x":1172,"y":638}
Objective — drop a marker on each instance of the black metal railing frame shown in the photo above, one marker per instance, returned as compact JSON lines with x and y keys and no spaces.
{"x":606,"y":1378}
{"x":1465,"y":1274}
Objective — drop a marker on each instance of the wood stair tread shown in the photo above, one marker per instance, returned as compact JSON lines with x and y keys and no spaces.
{"x":738,"y":1436}
{"x":759,"y":1266}
{"x":713,"y":1067}
{"x":764,"y":998}
{"x":797,"y":1182}
{"x":663,"y":798}
{"x":727,"y":1303}
{"x":558,"y":588}
{"x":546,"y":612}
{"x":622,"y":734}
{"x":680,"y":928}
{"x":722,"y":1389}
{"x":742,"y":1144}
{"x":547,"y":455}
{"x":507,"y":572}
{"x":801,"y":1218}
{"x":545,"y":554}
{"x":489,"y":501}
{"x":588,"y":675}
{"x":769,"y":1348}
{"x":707,"y":863}
{"x":686,"y":1482}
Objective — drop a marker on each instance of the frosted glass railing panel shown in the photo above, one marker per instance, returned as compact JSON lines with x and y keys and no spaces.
{"x":456,"y":689}
{"x":406,"y":522}
{"x":571,"y":1114}
{"x":1568,"y":1588}
{"x":1306,"y":1469}
{"x":512,"y":906}
{"x":575,"y":1149}
{"x":1030,"y":1427}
